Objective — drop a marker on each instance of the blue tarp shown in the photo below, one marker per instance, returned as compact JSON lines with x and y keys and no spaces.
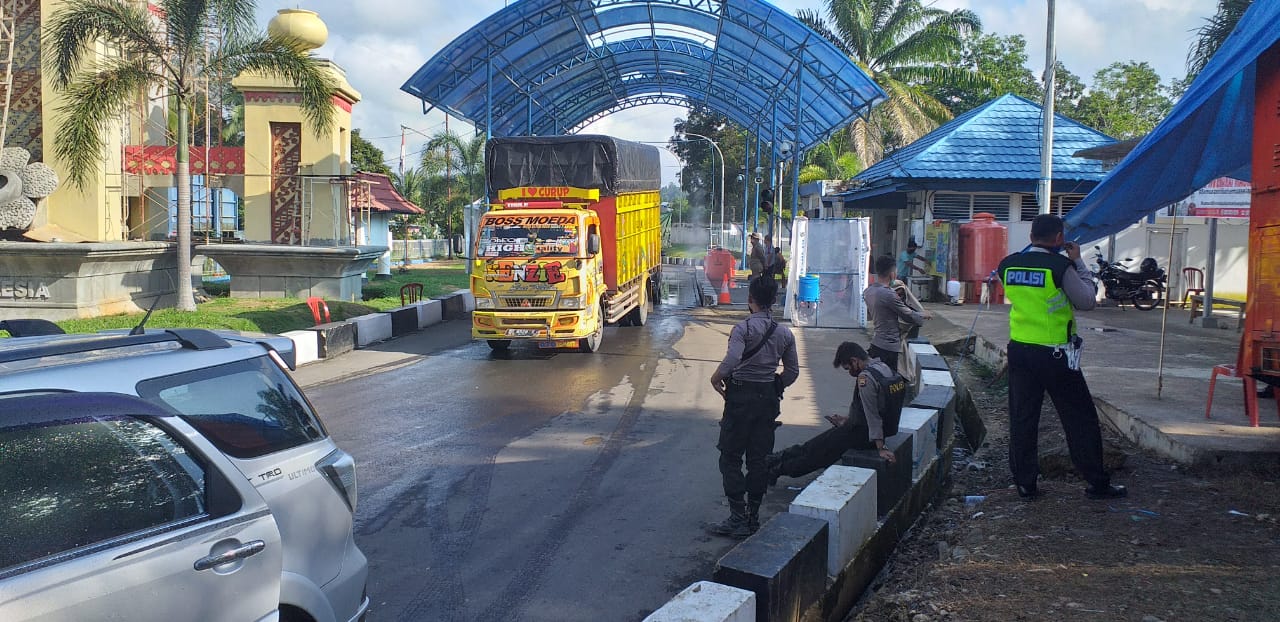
{"x":1209,"y":134}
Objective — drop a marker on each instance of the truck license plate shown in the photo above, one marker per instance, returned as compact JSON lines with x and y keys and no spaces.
{"x":522,"y":332}
{"x":562,"y":343}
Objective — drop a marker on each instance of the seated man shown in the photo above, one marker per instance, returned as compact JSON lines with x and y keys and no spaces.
{"x":878,"y":396}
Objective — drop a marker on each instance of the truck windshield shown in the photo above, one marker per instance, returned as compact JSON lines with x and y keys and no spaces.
{"x":528,"y":236}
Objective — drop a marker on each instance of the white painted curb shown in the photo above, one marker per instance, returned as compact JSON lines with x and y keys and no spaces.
{"x":306,"y":346}
{"x":705,"y":601}
{"x":430,"y":313}
{"x":844,"y":497}
{"x":372,"y":328}
{"x":922,"y":423}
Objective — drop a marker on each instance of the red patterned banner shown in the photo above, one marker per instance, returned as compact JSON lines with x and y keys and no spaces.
{"x":158,"y":160}
{"x":286,"y":187}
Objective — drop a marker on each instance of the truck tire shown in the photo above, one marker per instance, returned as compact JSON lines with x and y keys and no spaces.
{"x":591,"y":343}
{"x":499,"y":345}
{"x":639,"y":316}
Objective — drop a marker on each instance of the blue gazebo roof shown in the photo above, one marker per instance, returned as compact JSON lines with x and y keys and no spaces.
{"x":553,"y":66}
{"x":994,"y":147}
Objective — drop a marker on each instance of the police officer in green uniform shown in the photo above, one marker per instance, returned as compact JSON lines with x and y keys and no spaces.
{"x":874,"y":414}
{"x":1045,"y":288}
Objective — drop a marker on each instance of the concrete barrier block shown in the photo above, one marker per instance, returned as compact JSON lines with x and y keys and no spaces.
{"x":371,"y":328}
{"x":943,"y":400}
{"x":785,"y":564}
{"x":932,"y":361}
{"x":458,"y":304}
{"x":922,"y":348}
{"x":922,"y":424}
{"x":936,"y":377}
{"x":892,"y":480}
{"x":335,"y":338}
{"x":430,"y":312}
{"x":845,"y":497}
{"x":404,"y":320}
{"x":705,"y":601}
{"x":306,"y":346}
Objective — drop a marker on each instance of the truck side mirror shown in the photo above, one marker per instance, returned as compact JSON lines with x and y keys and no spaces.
{"x":593,"y":244}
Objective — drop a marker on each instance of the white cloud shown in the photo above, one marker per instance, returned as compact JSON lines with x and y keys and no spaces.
{"x":381,"y":43}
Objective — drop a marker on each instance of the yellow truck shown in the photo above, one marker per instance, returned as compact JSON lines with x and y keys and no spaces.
{"x":573,"y":243}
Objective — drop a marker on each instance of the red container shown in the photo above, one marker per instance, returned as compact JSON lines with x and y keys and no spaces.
{"x":719,"y":262}
{"x":983,"y":243}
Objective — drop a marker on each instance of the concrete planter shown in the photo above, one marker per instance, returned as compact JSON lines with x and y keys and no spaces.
{"x":56,"y":281}
{"x":279,"y":271}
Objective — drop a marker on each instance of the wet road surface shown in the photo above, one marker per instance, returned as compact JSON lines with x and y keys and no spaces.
{"x":536,"y":485}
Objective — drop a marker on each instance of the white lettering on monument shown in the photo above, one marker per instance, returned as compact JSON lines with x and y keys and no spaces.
{"x":23,"y":290}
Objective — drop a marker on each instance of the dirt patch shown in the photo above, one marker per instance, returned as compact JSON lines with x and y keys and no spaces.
{"x":1182,"y":546}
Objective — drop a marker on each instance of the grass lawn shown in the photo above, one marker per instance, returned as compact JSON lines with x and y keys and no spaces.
{"x":278,"y":315}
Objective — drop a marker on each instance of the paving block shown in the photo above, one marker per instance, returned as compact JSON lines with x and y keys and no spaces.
{"x":922,"y":423}
{"x":404,"y":320}
{"x":306,"y":346}
{"x":785,"y":564}
{"x":932,"y":361}
{"x":936,"y":377}
{"x":845,"y":497}
{"x":705,"y":601}
{"x":372,"y":328}
{"x":892,"y":480}
{"x":335,"y":338}
{"x":430,"y":313}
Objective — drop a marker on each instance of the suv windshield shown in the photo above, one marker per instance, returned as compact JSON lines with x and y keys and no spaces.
{"x":527,"y":235}
{"x":247,"y":409}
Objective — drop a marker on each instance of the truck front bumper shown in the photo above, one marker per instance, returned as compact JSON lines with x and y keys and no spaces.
{"x":543,"y":326}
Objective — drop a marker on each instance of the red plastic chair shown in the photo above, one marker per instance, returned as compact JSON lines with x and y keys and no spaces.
{"x":1192,"y":283}
{"x":319,"y":309}
{"x":410,"y":293}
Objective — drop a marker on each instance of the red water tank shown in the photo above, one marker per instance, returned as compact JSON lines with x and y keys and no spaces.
{"x":983,"y":243}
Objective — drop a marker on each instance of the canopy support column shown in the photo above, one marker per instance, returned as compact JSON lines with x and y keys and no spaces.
{"x":746,"y":183}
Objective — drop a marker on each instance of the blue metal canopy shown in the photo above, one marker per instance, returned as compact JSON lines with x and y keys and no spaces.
{"x":1207,"y":135}
{"x":541,"y":67}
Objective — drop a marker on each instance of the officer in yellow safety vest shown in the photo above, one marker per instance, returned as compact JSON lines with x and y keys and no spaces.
{"x":1045,"y":288}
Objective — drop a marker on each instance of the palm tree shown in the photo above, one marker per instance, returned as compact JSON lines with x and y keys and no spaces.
{"x":174,"y":54}
{"x":903,"y":46}
{"x":466,"y":158}
{"x":1214,"y":31}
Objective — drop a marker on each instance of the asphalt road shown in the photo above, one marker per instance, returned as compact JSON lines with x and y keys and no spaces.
{"x":538,"y":485}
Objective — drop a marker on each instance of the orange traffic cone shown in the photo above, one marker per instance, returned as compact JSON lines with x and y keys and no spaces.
{"x":724,"y":291}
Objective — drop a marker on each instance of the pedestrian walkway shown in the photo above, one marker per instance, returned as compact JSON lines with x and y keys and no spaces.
{"x":1121,"y":361}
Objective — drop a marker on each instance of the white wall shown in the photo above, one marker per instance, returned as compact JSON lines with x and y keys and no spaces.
{"x":1231,"y":274}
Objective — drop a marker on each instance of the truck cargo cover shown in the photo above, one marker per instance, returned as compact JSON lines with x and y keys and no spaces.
{"x":580,"y":161}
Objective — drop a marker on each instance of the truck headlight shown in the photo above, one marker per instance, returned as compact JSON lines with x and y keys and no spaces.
{"x":484,"y":303}
{"x":571,"y":302}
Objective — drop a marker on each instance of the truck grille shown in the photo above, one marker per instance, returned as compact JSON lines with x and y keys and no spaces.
{"x":526,"y":303}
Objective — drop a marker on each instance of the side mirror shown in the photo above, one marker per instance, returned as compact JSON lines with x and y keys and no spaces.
{"x":593,"y":244}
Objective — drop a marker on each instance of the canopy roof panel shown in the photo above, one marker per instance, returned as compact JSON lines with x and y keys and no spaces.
{"x":554,"y":66}
{"x":1207,"y":135}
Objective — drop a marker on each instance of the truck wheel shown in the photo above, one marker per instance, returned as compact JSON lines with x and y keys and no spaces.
{"x":499,"y":345}
{"x":592,"y":343}
{"x":639,"y":316}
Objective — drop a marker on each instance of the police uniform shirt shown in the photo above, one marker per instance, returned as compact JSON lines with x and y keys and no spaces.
{"x":1029,"y":278}
{"x":764,"y":365}
{"x":885,"y":308}
{"x":865,"y":409}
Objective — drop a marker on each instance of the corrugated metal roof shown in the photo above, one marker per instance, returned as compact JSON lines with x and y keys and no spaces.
{"x":999,"y":140}
{"x":541,"y":67}
{"x":383,"y":197}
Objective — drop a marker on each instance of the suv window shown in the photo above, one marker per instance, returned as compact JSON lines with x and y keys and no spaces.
{"x":70,"y":484}
{"x":247,"y":409}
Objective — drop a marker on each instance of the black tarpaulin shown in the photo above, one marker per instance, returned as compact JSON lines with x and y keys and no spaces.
{"x":580,"y":161}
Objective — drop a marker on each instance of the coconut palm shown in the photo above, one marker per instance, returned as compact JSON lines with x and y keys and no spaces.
{"x":1214,"y":31}
{"x":464,"y":160}
{"x":903,"y":46}
{"x":174,"y":53}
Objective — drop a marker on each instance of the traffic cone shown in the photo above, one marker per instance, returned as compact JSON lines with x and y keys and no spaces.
{"x":724,"y":291}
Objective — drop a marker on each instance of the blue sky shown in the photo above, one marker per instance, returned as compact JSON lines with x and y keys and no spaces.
{"x":382,"y":42}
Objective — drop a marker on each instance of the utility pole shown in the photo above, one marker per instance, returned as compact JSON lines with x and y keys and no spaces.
{"x":1045,"y":191}
{"x":448,"y":186}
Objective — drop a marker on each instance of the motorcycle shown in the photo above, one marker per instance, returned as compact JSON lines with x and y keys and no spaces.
{"x":1143,"y":287}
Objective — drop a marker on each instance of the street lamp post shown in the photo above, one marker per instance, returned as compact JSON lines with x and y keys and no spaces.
{"x":722,"y":167}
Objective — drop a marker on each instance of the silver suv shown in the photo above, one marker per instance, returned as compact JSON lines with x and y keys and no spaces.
{"x":228,"y":397}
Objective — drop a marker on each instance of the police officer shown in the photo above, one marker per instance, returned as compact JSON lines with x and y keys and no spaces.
{"x":874,"y":413}
{"x":886,"y":309}
{"x":1045,"y":288}
{"x":747,"y":378}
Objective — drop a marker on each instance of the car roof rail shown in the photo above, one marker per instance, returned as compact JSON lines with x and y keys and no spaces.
{"x":188,"y":338}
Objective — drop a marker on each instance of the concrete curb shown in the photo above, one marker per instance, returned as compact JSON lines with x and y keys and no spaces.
{"x":327,"y":341}
{"x":854,"y":546}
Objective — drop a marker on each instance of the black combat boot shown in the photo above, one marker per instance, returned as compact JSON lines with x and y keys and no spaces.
{"x":773,"y":467}
{"x":753,"y":516}
{"x":736,"y":523}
